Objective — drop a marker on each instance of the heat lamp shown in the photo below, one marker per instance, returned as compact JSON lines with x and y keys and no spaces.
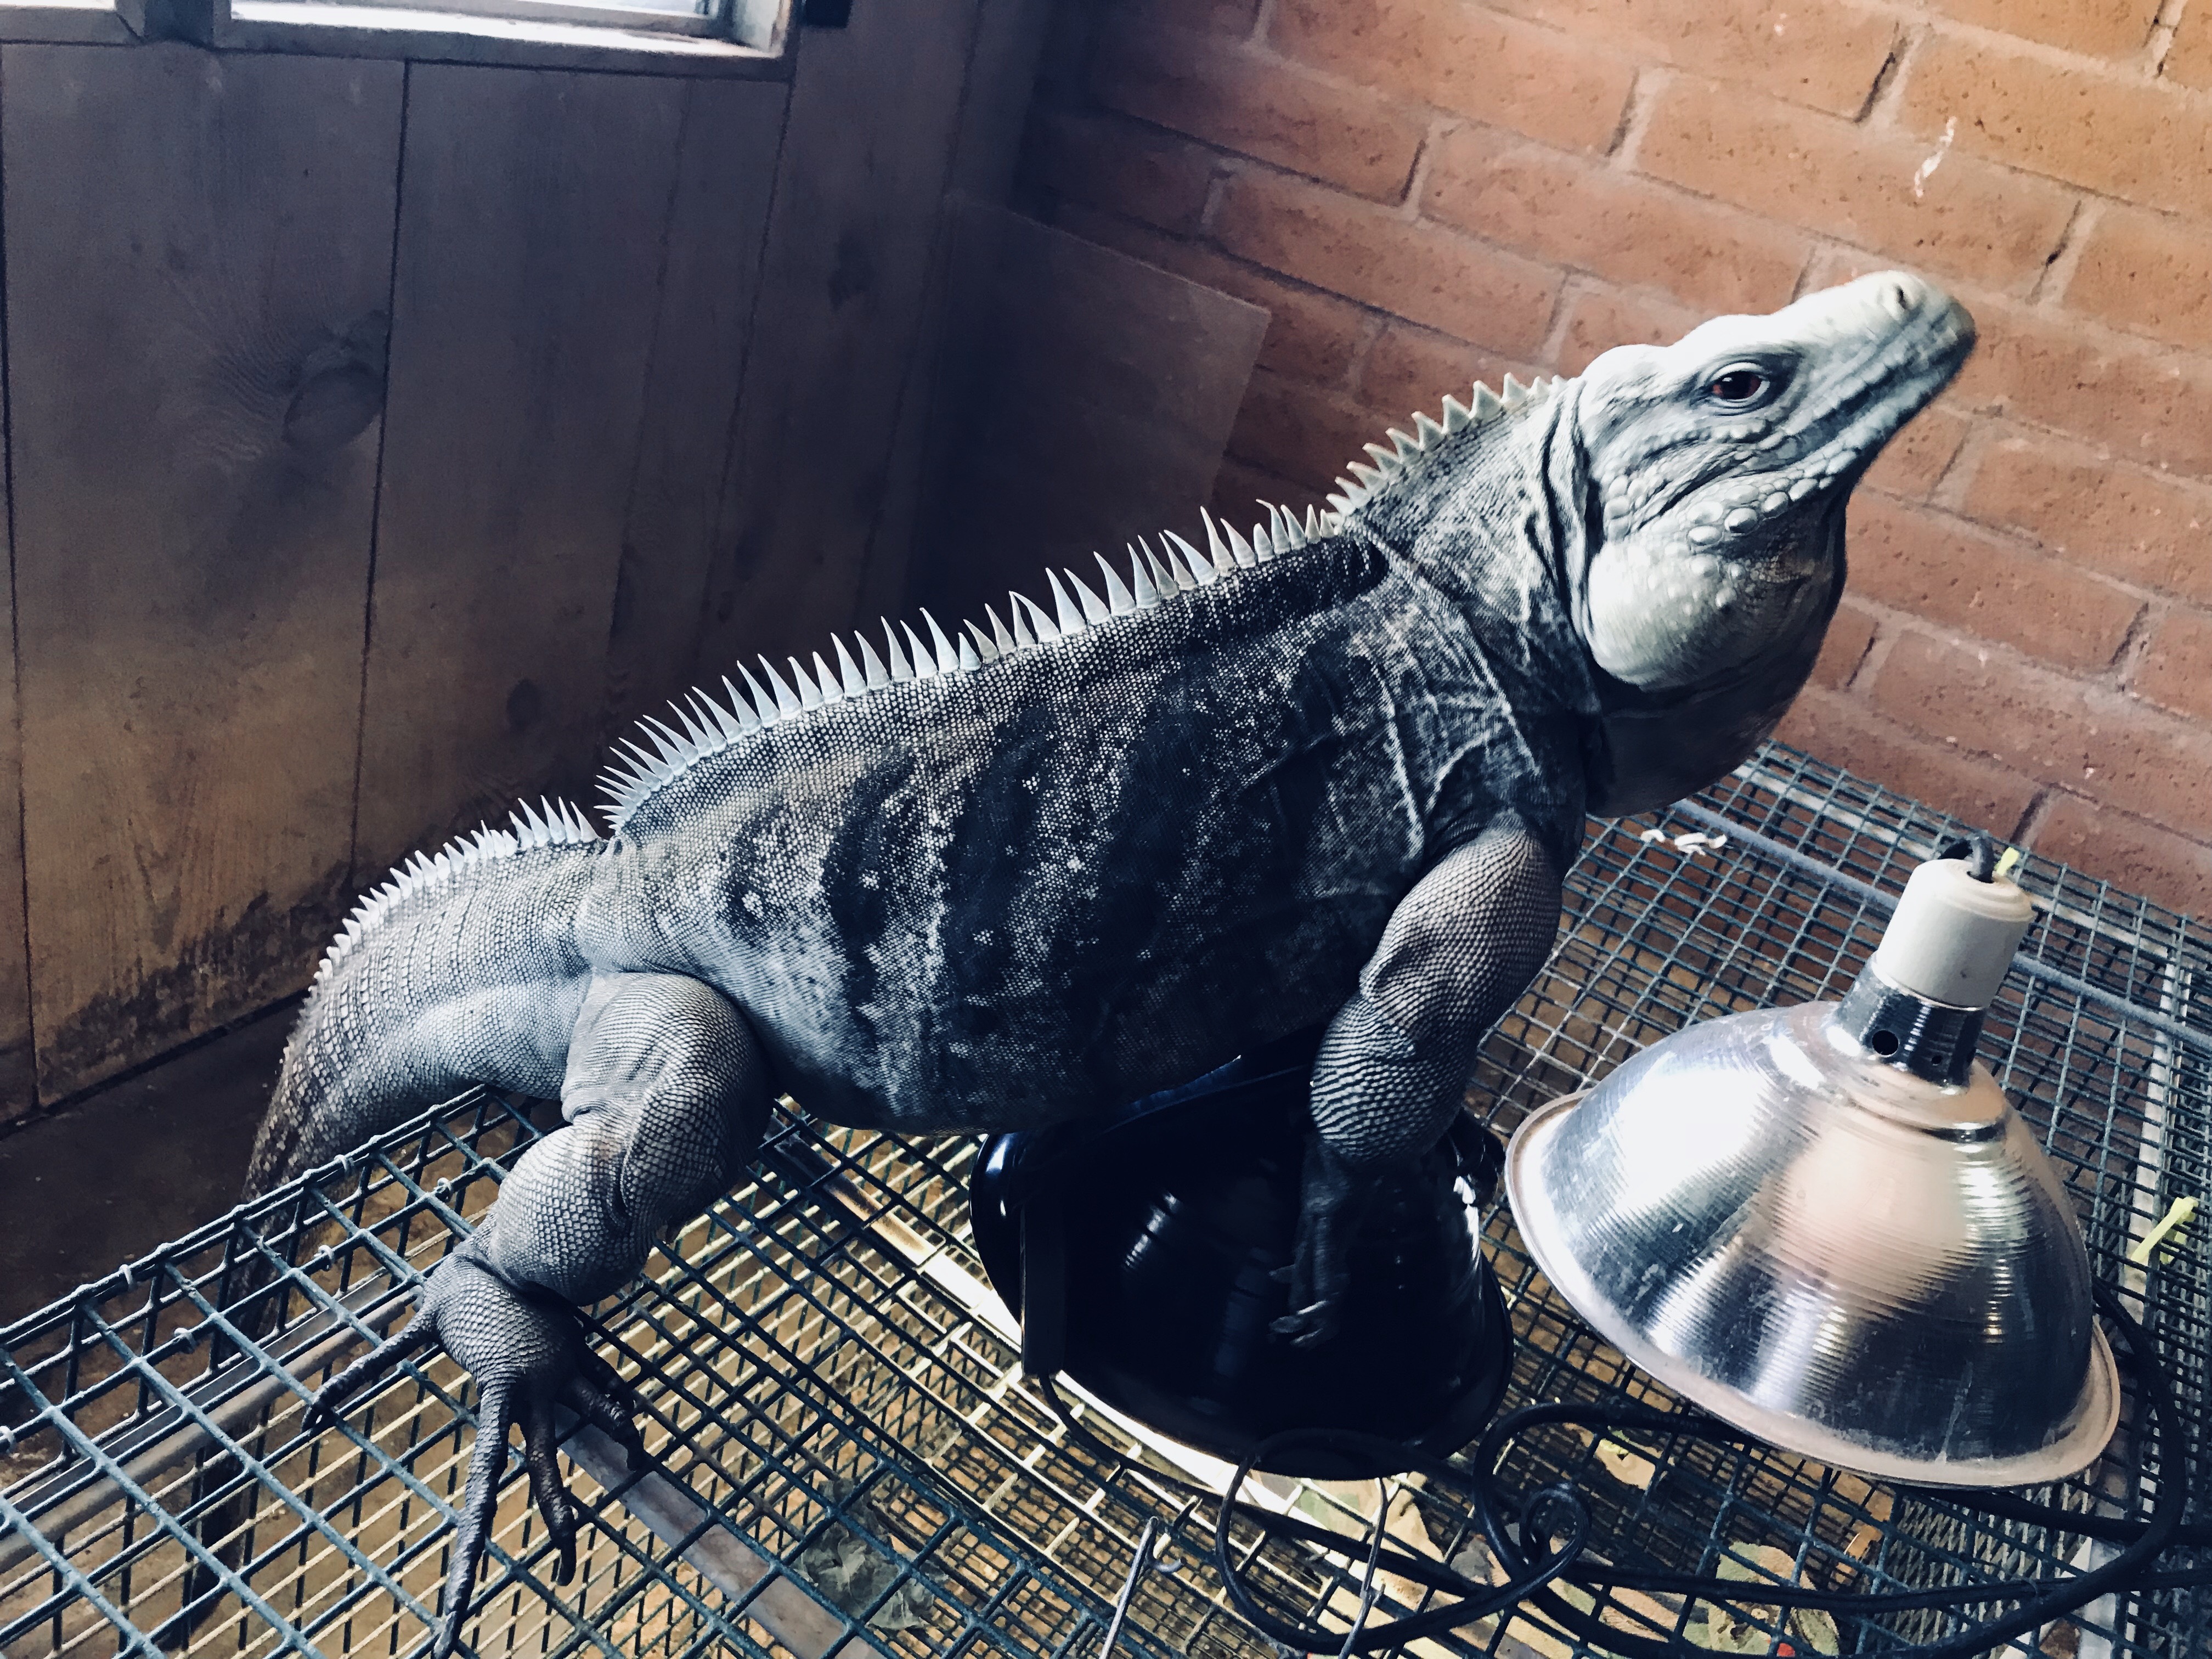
{"x":1825,"y":1225}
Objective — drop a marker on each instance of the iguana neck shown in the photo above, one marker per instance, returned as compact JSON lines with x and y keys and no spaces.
{"x":1495,"y":523}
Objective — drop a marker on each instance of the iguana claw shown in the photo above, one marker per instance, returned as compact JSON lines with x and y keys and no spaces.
{"x":1308,"y":1326}
{"x":1328,"y":1206}
{"x":527,"y":1357}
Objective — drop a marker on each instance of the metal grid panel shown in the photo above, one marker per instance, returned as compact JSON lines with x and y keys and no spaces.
{"x":849,"y":1459}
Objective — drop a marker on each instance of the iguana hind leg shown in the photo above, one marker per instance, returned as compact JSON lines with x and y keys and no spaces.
{"x":664,"y":1097}
{"x":1459,"y":951}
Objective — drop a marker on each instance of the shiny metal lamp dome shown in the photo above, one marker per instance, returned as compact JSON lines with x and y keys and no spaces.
{"x":1826,"y":1226}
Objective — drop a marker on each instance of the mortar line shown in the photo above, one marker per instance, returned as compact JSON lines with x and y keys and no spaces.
{"x":1645,"y":88}
{"x":2159,"y":41}
{"x":2033,"y":816}
{"x":1882,"y":98}
{"x":2057,"y":273}
{"x":2134,"y":644}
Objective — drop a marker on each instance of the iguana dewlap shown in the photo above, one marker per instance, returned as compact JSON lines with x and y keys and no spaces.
{"x":990,"y":878}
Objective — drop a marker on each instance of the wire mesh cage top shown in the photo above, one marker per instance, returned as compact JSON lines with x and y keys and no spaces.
{"x":848,"y":1459}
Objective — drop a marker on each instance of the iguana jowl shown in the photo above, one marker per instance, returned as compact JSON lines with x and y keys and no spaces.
{"x":1333,"y":773}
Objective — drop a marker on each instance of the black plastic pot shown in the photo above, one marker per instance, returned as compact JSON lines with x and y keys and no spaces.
{"x":1154,"y":1238}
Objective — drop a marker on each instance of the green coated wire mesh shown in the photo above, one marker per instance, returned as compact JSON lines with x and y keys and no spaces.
{"x":847,"y":1460}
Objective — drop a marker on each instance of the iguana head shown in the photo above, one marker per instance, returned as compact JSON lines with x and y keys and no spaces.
{"x":1715,"y":473}
{"x":1657,"y":545}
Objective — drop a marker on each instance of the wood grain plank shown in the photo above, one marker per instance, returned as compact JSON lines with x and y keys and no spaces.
{"x":868,"y":155}
{"x":529,"y":256}
{"x":18,"y":1082}
{"x":726,"y":170}
{"x":198,"y":257}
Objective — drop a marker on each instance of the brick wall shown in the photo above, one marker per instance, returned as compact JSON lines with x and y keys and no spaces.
{"x":1426,"y":192}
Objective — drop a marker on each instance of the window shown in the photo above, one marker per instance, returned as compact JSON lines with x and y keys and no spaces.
{"x":697,"y":37}
{"x":104,"y":22}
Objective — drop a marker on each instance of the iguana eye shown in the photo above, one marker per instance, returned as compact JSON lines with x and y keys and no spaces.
{"x":1737,"y":386}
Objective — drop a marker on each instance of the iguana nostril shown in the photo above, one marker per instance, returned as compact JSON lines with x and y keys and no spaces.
{"x":1896,"y":300}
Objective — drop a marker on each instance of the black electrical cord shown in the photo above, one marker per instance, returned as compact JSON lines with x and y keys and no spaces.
{"x":1979,"y":852}
{"x":1531,"y":1574}
{"x":1478,"y":1600}
{"x":2055,"y":1599}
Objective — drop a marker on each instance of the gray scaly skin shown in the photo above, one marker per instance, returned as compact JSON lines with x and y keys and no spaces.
{"x":992,"y":881}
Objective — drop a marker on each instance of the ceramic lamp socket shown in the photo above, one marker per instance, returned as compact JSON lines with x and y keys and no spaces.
{"x":1952,"y":936}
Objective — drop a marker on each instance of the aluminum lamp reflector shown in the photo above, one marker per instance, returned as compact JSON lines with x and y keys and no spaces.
{"x":1826,"y":1226}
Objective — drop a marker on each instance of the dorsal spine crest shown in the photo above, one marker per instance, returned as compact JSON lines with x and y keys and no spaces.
{"x":710,"y":725}
{"x":549,"y":823}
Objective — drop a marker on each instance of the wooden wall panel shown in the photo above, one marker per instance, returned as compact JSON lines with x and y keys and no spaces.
{"x":19,"y":1079}
{"x":726,"y":174}
{"x":531,"y":249}
{"x":868,"y":153}
{"x":198,"y":270}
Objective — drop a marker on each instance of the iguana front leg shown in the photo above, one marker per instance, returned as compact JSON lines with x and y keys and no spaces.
{"x":1458,"y":952}
{"x":664,"y":1097}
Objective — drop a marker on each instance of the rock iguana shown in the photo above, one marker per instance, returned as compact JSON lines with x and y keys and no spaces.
{"x":996,"y":878}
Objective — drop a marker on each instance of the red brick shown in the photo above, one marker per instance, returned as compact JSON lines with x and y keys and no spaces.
{"x":1412,"y":368}
{"x":2103,"y":28}
{"x":1970,"y":220}
{"x":1229,"y":95}
{"x":2150,"y":406}
{"x":2083,"y":737}
{"x":1959,"y":577}
{"x":2165,"y":868}
{"x":1850,"y":634}
{"x":1311,"y":336}
{"x":2176,"y":671}
{"x":1562,"y":207}
{"x":2147,"y":272}
{"x":1599,"y":318}
{"x":2142,"y":526}
{"x":1460,"y":56}
{"x":1105,"y":162}
{"x":1238,"y":489}
{"x":1300,"y":432}
{"x":1417,"y":271}
{"x":2189,"y":61}
{"x":1841,"y":731}
{"x":1806,"y":51}
{"x":1910,"y":464}
{"x":2126,"y":138}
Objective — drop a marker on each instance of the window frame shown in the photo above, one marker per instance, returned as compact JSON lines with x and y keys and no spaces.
{"x":72,"y":22}
{"x":752,"y":38}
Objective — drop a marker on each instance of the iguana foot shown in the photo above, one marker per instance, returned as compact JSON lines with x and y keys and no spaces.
{"x":527,"y":1357}
{"x":1316,"y":1272}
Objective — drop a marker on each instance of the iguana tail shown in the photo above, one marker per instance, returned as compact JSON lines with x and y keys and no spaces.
{"x":461,"y":969}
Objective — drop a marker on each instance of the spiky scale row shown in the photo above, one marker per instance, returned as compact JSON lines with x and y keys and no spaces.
{"x":549,"y":823}
{"x":1354,"y":492}
{"x":708,"y":726}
